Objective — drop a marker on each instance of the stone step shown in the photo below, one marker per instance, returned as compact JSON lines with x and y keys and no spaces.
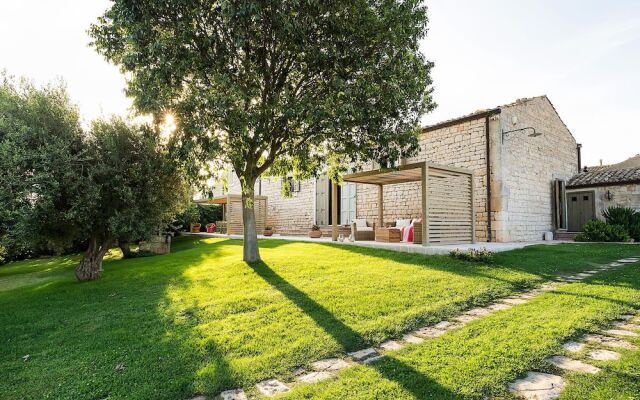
{"x":572,"y":365}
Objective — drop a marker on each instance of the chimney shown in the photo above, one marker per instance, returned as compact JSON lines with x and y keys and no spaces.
{"x":601,"y":162}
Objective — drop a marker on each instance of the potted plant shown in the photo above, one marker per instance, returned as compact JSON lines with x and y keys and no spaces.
{"x":315,"y":232}
{"x":268,"y":231}
{"x":211,"y":227}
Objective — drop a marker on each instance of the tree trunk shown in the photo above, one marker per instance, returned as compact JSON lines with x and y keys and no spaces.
{"x":90,"y":266}
{"x":251,"y":252}
{"x":124,"y":247}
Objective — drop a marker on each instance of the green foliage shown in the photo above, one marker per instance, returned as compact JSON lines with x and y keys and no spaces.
{"x":626,"y":217}
{"x":599,"y":231}
{"x":198,"y":213}
{"x":64,"y":186}
{"x":306,"y":302}
{"x":274,"y":86}
{"x":473,"y":255}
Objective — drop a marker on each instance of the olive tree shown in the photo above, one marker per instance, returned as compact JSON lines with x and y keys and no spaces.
{"x":275,"y":86}
{"x":62,"y":186}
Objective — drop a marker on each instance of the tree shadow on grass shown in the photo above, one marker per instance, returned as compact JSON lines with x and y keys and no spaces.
{"x":392,"y":369}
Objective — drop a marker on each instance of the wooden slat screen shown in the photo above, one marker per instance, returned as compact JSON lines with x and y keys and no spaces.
{"x":235,"y":225}
{"x":450,"y":207}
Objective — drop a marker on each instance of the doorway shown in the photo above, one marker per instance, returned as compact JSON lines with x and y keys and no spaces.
{"x":581,"y":209}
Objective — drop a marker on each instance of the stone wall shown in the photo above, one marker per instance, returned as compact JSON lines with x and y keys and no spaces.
{"x":292,"y":215}
{"x":623,"y":196}
{"x":462,"y":145}
{"x":527,"y":166}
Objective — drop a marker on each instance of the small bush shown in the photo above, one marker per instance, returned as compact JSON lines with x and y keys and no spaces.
{"x":626,"y":217}
{"x":599,"y":231}
{"x":473,"y":255}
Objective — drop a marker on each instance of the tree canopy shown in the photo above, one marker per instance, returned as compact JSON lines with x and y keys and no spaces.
{"x":64,"y":185}
{"x":278,"y":87}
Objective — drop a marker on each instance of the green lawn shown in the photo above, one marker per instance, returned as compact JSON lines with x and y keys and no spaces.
{"x":201,"y":321}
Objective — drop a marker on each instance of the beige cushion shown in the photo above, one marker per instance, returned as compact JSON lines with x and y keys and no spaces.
{"x":403,"y":222}
{"x":361,"y":224}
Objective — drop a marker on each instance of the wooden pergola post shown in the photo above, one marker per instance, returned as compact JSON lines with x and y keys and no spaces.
{"x":334,"y":211}
{"x":425,"y":204}
{"x":380,"y":206}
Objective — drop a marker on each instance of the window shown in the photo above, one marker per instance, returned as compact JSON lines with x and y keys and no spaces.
{"x":294,"y":185}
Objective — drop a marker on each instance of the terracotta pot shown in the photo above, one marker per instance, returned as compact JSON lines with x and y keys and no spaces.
{"x":211,"y":228}
{"x":195,"y":228}
{"x":315,"y":234}
{"x":267,"y":232}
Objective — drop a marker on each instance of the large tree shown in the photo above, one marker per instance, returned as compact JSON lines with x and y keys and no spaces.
{"x":62,"y":186}
{"x":276,"y":86}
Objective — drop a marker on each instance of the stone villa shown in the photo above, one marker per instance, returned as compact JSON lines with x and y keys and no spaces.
{"x":521,"y":155}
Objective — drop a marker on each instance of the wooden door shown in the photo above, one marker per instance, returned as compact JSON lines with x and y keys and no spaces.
{"x":580,"y":209}
{"x":322,"y":200}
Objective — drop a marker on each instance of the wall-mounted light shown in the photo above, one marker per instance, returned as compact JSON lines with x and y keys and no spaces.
{"x":533,"y":132}
{"x":608,"y":195}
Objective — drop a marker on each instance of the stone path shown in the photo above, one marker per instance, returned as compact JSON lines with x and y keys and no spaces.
{"x":538,"y":386}
{"x":535,"y":386}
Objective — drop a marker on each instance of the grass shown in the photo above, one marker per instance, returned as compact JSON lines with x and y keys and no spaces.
{"x":201,"y":321}
{"x":479,"y":360}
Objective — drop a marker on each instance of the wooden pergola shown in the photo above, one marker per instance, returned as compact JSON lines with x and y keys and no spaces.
{"x":447,"y":199}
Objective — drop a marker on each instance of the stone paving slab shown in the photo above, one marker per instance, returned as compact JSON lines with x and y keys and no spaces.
{"x":538,"y":386}
{"x":234,"y":394}
{"x":610,"y":341}
{"x":330,"y":364}
{"x":627,"y":326}
{"x":363,"y":355}
{"x":409,"y":338}
{"x":373,"y":359}
{"x":271,"y":387}
{"x":604,"y":355}
{"x":464,"y":318}
{"x":430,"y":332}
{"x":314,"y":377}
{"x":514,"y":301}
{"x":628,"y":260}
{"x":391,"y":345}
{"x":626,"y":317}
{"x":500,"y":306}
{"x":572,"y":365}
{"x":573,"y":347}
{"x":621,"y":332}
{"x":480,"y":312}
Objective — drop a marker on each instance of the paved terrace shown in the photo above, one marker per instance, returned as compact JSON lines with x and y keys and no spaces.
{"x":402,"y":246}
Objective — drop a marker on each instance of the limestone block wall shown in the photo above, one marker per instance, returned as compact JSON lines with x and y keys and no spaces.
{"x":528,"y":167}
{"x":623,"y":196}
{"x":289,"y":215}
{"x":462,"y":145}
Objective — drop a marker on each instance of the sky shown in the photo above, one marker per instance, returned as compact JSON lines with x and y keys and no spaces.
{"x":584,"y":55}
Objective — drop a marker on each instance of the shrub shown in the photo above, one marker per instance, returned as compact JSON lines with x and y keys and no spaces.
{"x":599,"y":231}
{"x":474,"y":255}
{"x":626,"y":217}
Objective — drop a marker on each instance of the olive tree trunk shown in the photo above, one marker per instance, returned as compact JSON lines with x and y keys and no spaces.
{"x":251,"y":252}
{"x":124,"y":247}
{"x":90,"y":266}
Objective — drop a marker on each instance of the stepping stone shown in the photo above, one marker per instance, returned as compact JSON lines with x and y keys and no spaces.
{"x":447,"y":325}
{"x":430,"y":332}
{"x":627,"y":326}
{"x":572,"y":365}
{"x":626,"y":317}
{"x":593,"y":271}
{"x":464,"y":318}
{"x":548,"y":288}
{"x":234,"y":394}
{"x":528,"y":296}
{"x":628,"y":261}
{"x":199,"y":398}
{"x":573,"y":347}
{"x":610,"y":342}
{"x":584,"y":275}
{"x":615,"y":264}
{"x":330,"y":364}
{"x":499,"y":306}
{"x":409,"y":338}
{"x":514,"y":301}
{"x":391,"y":345}
{"x":364,"y":355}
{"x":538,"y":386}
{"x":620,"y":332}
{"x":604,"y":355}
{"x":271,"y":387}
{"x":373,"y":359}
{"x":314,"y":377}
{"x":480,"y":312}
